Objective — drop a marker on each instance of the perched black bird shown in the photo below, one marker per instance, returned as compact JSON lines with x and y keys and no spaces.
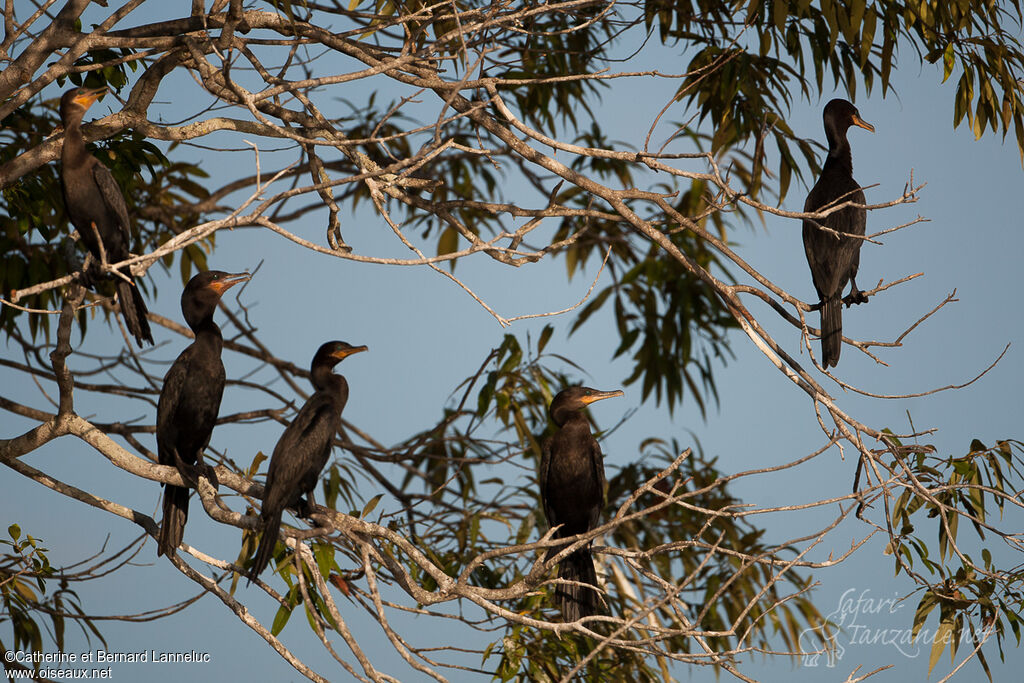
{"x":96,"y":207}
{"x":190,"y":398}
{"x":834,"y":260}
{"x":572,"y":491}
{"x":303,"y":449}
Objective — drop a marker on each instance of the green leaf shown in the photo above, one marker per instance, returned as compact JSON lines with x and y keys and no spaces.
{"x":926,"y":605}
{"x":256,"y":462}
{"x":284,"y":612}
{"x":545,"y":335}
{"x":15,"y":531}
{"x":943,"y":636}
{"x":947,"y":62}
{"x":780,"y":11}
{"x":370,"y":504}
{"x":955,"y":636}
{"x":448,"y":242}
{"x":324,"y":555}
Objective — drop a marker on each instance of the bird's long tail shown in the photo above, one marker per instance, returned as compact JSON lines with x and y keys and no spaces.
{"x":831,"y":330}
{"x":576,"y":600}
{"x":175,"y":516}
{"x":133,"y":308}
{"x":268,"y":540}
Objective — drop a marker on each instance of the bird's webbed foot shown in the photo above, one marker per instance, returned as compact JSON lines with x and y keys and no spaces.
{"x":187,"y":471}
{"x":304,"y":507}
{"x":208,"y":472}
{"x":856,"y":296}
{"x":191,"y":473}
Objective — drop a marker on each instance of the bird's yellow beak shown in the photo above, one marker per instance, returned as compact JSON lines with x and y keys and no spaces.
{"x":221,"y":286}
{"x":858,"y":121}
{"x":600,"y":395}
{"x":87,"y":97}
{"x":345,"y":353}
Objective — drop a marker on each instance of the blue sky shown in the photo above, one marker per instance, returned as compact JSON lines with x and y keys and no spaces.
{"x":425,"y":335}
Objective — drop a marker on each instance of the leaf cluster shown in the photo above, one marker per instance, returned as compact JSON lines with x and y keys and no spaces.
{"x":27,"y":595}
{"x":975,"y":600}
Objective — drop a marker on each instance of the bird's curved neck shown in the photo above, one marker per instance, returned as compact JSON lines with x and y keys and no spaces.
{"x":562,"y":416}
{"x":322,"y":376}
{"x":205,"y":329}
{"x":73,"y":148}
{"x":838,"y":149}
{"x":329,"y":383}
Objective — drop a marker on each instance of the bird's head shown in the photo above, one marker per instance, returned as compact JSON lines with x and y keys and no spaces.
{"x":203,"y":292}
{"x":333,"y":352}
{"x":577,"y":398}
{"x":76,"y":101}
{"x":841,"y":114}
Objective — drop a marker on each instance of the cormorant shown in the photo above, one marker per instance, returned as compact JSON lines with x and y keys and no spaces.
{"x":190,"y":398}
{"x":572,"y":492}
{"x":96,"y":207}
{"x":834,"y":260}
{"x":303,"y":449}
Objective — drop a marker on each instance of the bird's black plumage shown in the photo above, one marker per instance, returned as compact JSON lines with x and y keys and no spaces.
{"x":834,"y":260}
{"x":97,"y":209}
{"x":303,"y":449}
{"x":572,"y":492}
{"x":190,"y":398}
